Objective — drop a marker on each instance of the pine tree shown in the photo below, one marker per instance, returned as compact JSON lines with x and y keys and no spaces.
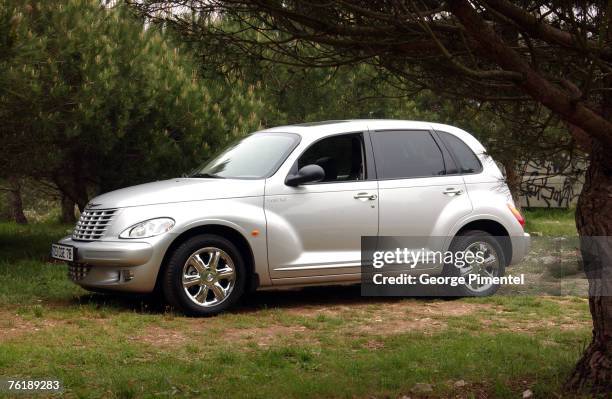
{"x":92,"y":100}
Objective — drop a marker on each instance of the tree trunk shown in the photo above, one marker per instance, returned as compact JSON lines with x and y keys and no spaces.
{"x":15,"y":202}
{"x":80,"y":186}
{"x":513,"y":180}
{"x":72,"y":184}
{"x":594,"y":223}
{"x":67,"y":210}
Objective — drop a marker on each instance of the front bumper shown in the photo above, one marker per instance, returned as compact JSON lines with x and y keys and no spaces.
{"x":116,"y":265}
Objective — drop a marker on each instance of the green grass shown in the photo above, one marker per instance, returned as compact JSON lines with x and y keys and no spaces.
{"x":25,"y":273}
{"x":550,"y":222}
{"x":323,"y":342}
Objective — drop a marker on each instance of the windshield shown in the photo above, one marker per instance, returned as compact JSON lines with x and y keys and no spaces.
{"x":254,"y":157}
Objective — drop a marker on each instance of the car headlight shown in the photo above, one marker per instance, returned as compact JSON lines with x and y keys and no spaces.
{"x":148,"y":228}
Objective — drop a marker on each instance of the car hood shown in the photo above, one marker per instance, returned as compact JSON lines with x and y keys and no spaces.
{"x":178,"y":190}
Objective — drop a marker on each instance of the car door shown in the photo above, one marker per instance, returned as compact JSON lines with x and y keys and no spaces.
{"x":421,"y":194}
{"x":315,"y":229}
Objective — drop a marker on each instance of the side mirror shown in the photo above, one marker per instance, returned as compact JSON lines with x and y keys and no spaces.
{"x":307,"y":174}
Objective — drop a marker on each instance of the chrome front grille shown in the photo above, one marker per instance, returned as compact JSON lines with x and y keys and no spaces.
{"x":92,"y":224}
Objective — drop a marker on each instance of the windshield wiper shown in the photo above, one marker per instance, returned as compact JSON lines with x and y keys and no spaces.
{"x":207,"y":176}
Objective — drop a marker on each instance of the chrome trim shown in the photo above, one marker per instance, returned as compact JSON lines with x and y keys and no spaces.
{"x":489,"y":268}
{"x":208,"y":276}
{"x":93,"y":224}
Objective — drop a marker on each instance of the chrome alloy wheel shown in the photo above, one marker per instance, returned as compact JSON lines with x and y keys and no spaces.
{"x":209,"y":276}
{"x":487,"y":268}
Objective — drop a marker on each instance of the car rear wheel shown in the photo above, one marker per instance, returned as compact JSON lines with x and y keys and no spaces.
{"x":204,"y":276}
{"x":490,"y":262}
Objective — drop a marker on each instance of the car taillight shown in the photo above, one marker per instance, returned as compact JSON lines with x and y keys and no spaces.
{"x":517,"y":215}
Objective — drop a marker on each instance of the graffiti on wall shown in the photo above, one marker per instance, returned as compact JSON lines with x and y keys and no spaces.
{"x":552,"y":184}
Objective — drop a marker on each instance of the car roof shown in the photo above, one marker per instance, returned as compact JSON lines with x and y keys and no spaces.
{"x":339,"y":126}
{"x":347,"y":125}
{"x":316,"y":130}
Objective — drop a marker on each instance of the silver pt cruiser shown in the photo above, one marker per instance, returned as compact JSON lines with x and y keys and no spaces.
{"x":287,"y":207}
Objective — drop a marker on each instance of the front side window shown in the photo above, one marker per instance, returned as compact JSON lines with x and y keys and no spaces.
{"x":406,"y":154}
{"x":341,"y":157}
{"x":254,"y":157}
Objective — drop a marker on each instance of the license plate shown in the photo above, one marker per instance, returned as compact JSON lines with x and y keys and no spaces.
{"x":63,"y":252}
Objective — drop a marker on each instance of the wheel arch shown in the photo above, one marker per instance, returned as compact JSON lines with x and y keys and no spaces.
{"x":494,"y":228}
{"x":235,"y":236}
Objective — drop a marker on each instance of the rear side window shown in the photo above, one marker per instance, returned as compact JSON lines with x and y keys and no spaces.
{"x":405,"y":154}
{"x":467,"y":160}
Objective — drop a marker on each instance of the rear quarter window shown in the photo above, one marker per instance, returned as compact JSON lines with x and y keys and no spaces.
{"x":467,"y":161}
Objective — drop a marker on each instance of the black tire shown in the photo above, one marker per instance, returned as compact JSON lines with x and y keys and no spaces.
{"x":460,"y":243}
{"x":172,"y":284}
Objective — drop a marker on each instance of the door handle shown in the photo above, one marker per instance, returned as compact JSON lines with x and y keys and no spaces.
{"x":365,"y":196}
{"x":452,"y":191}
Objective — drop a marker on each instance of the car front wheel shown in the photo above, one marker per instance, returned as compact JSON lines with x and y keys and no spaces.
{"x":204,"y":276}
